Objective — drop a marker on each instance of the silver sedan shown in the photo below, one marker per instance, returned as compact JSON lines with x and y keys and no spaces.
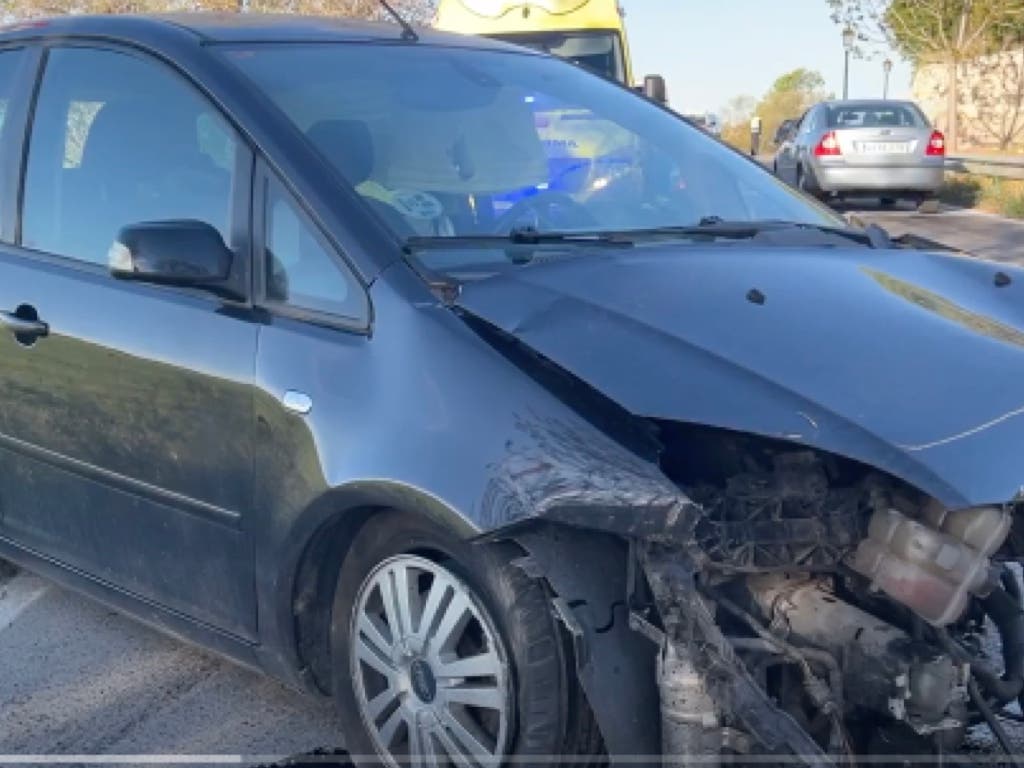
{"x":884,"y":149}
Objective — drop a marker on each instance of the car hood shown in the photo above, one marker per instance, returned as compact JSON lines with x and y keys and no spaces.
{"x":911,"y":362}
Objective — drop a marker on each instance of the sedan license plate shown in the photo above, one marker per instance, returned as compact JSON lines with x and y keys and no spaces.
{"x":883,"y":147}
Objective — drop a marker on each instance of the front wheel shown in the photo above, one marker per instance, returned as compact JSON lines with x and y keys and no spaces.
{"x":444,"y":653}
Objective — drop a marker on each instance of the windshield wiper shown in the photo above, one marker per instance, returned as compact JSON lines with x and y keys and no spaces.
{"x":522,"y":236}
{"x":708,"y":228}
{"x":872,"y":235}
{"x":715,"y":227}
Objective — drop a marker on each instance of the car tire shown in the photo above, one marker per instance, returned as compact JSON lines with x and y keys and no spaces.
{"x":887,"y":202}
{"x":523,"y":671}
{"x":805,"y":183}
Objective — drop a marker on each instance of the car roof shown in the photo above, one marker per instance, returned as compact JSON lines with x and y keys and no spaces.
{"x":234,"y":27}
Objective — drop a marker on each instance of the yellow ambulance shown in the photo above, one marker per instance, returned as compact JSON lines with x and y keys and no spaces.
{"x":591,"y":33}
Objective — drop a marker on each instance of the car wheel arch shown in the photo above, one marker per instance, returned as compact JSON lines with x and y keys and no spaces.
{"x":318,"y":544}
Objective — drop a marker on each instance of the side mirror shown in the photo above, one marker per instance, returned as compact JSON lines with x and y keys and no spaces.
{"x":655,"y":89}
{"x":186,"y":253}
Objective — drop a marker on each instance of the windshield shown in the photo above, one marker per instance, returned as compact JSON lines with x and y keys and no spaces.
{"x":600,"y":52}
{"x":460,"y":142}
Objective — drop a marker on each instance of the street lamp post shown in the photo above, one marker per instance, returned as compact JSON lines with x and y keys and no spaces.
{"x":887,"y":69}
{"x":849,"y":38}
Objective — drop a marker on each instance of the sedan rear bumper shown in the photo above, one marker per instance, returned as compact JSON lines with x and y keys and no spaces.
{"x":922,"y":178}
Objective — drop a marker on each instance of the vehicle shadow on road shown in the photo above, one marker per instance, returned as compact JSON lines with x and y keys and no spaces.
{"x":869,"y":205}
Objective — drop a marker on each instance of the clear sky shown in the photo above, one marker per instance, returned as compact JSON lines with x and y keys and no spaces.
{"x":712,"y":50}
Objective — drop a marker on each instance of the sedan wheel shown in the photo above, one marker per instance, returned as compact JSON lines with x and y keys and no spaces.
{"x":429,"y":668}
{"x":801,"y":181}
{"x":806,"y":183}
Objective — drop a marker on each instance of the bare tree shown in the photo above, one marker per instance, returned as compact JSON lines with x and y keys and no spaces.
{"x":738,"y":110}
{"x":998,"y":96}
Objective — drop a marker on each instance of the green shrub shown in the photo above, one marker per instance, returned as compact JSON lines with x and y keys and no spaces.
{"x":1014,"y":207}
{"x":1007,"y":197}
{"x":1002,"y":196}
{"x":961,"y":190}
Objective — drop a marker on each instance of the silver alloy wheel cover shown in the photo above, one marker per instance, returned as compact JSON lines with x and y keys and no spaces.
{"x":421,"y":659}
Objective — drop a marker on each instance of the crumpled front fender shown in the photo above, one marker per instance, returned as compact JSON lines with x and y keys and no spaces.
{"x":566,"y":472}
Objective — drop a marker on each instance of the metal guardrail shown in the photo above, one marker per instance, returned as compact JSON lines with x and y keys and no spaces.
{"x":1003,"y":166}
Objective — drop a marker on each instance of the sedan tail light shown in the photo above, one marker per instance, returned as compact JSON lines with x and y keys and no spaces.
{"x":936,"y":145}
{"x":828,"y":146}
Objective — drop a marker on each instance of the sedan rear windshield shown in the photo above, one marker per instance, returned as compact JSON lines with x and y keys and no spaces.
{"x":453,"y":142}
{"x":875,"y":116}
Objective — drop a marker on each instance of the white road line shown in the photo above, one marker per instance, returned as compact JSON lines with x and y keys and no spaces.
{"x":18,"y":594}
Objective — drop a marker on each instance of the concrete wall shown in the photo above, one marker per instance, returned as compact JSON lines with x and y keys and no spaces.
{"x":991,"y":98}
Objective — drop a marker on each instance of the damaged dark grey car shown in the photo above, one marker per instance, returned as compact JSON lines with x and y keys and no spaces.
{"x":501,"y":405}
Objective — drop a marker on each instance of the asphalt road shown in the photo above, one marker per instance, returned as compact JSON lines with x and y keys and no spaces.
{"x":78,"y":679}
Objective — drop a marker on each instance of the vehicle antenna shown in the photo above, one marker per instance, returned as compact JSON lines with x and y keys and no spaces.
{"x":408,"y":33}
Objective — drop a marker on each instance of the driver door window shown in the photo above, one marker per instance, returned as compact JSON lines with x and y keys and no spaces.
{"x":118,"y":140}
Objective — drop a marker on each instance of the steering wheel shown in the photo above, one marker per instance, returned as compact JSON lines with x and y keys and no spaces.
{"x":547,"y":211}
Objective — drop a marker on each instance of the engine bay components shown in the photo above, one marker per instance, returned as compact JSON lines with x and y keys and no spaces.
{"x":890,"y":673}
{"x":785,"y":516}
{"x":823,"y":611}
{"x":818,"y":666}
{"x":699,"y":665}
{"x":687,"y":710}
{"x":935,"y":563}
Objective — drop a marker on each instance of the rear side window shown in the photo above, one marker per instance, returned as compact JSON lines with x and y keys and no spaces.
{"x":875,"y":116}
{"x":116,"y":140}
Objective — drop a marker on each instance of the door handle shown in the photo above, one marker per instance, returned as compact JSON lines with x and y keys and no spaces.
{"x":24,"y":327}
